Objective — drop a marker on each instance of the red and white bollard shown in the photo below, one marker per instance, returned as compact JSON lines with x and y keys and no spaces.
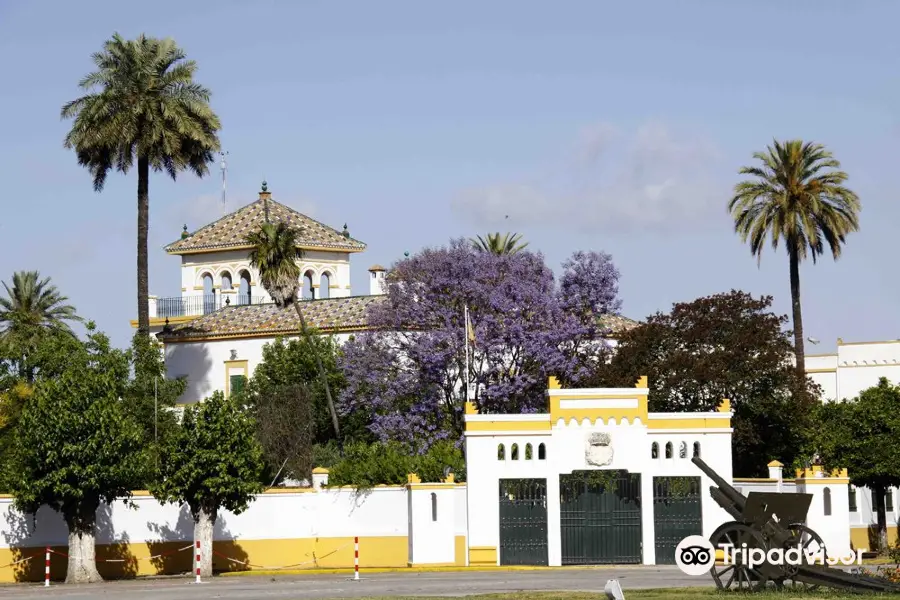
{"x":47,"y":568}
{"x":356,"y":558}
{"x":198,"y":562}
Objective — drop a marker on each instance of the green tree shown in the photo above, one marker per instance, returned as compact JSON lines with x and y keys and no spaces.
{"x":499,"y":244}
{"x":861,"y":435}
{"x":76,"y":447}
{"x":723,"y":346}
{"x":147,"y":107}
{"x":388,"y":463}
{"x":275,"y":255}
{"x":212,"y":461}
{"x":797,"y":196}
{"x":33,"y":307}
{"x":150,"y":397}
{"x":293,"y":362}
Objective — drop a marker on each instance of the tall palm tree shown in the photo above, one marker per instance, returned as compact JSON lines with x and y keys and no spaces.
{"x":798,"y":196}
{"x":33,"y":306}
{"x":275,"y":255}
{"x":148,"y":108}
{"x":499,"y":244}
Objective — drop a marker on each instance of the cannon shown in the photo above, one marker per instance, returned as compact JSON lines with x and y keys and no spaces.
{"x":768,"y":521}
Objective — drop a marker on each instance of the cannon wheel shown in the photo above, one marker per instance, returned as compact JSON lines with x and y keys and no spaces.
{"x":737,"y":575}
{"x":808,"y":541}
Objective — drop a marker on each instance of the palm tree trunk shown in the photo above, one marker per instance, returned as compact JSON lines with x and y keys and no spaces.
{"x":799,"y":351}
{"x":321,"y":369}
{"x":143,"y":227}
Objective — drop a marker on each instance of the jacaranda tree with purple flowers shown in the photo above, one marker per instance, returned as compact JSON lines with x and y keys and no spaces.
{"x":408,"y":374}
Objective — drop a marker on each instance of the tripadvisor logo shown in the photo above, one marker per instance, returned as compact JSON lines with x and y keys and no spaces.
{"x":695,"y":555}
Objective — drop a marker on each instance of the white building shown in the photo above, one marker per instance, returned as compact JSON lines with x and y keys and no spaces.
{"x":854,"y":367}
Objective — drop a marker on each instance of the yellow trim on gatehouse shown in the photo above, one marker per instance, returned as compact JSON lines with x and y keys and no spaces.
{"x":482,"y":555}
{"x":459,"y":550}
{"x":502,"y":425}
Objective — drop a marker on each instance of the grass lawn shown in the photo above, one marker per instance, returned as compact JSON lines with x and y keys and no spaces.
{"x":676,"y":594}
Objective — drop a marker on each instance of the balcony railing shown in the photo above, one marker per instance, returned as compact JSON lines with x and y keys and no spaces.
{"x":195,"y":306}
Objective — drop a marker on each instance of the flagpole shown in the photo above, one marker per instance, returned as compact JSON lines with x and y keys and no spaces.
{"x":466,"y":340}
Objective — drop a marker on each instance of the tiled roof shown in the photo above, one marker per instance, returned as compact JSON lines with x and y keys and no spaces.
{"x":618,"y":323}
{"x":231,"y":230}
{"x":332,"y":314}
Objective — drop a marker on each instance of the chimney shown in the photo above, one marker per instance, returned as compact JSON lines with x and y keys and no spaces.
{"x":376,"y":282}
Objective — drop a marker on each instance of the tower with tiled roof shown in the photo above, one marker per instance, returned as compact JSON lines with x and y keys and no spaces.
{"x":215,"y":264}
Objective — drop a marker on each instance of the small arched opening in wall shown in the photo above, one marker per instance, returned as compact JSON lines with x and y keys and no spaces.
{"x":433,"y":506}
{"x":682,"y":450}
{"x":826,"y":499}
{"x":654,"y":450}
{"x":501,"y":452}
{"x":227,"y":285}
{"x":209,"y":293}
{"x":514,"y":452}
{"x":244,"y":287}
{"x":528,"y":455}
{"x":542,"y":452}
{"x":325,"y":285}
{"x":668,"y":449}
{"x":696,"y":449}
{"x":309,"y":292}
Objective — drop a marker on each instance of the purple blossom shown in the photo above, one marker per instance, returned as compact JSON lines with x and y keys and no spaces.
{"x":409,"y":374}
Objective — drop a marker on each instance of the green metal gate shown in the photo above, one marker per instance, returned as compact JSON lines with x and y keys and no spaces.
{"x":523,"y":522}
{"x":600,"y":514}
{"x":677,"y":513}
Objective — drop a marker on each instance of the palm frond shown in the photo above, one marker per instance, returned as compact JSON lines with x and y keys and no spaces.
{"x":274,"y":254}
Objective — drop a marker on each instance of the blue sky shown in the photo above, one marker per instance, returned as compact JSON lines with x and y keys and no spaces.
{"x":583,"y":125}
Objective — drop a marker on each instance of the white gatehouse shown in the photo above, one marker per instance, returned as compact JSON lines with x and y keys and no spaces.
{"x":598,"y":479}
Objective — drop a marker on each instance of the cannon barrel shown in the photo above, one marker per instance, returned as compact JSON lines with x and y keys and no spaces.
{"x":736,"y":498}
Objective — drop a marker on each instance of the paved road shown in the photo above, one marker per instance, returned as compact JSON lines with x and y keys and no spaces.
{"x":380,"y":584}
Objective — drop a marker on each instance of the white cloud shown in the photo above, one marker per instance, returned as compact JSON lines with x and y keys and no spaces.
{"x":649,"y":179}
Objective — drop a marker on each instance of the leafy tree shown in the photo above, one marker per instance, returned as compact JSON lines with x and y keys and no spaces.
{"x":76,"y":446}
{"x":723,"y":346}
{"x":389,"y":463}
{"x":212,"y":461}
{"x":285,"y":429}
{"x":499,"y":244}
{"x":409,"y":373}
{"x":150,"y":397}
{"x":148,"y":107}
{"x":287,"y":362}
{"x":275,"y":255}
{"x":33,"y":307}
{"x":796,"y":195}
{"x":861,"y":435}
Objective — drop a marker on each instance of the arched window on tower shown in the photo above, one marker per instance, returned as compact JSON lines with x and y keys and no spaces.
{"x":308,"y":291}
{"x":325,"y":285}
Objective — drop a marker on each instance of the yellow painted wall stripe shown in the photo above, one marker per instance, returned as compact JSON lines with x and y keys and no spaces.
{"x":508,"y":425}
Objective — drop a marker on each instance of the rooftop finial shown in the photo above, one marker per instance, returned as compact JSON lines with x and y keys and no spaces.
{"x":346,"y":233}
{"x":265,"y":186}
{"x":185,"y":234}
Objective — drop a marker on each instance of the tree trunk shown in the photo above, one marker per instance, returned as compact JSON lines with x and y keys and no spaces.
{"x":82,"y":567}
{"x":799,"y":350}
{"x":322,"y":374}
{"x":881,"y":518}
{"x":143,"y":228}
{"x":204,"y":523}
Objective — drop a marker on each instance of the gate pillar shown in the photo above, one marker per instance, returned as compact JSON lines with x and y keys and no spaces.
{"x":648,"y":537}
{"x":554,"y":539}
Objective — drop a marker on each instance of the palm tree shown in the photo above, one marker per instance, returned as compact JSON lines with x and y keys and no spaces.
{"x":497,"y":244}
{"x":148,"y":107}
{"x":797,"y":195}
{"x":33,"y":306}
{"x":275,"y":255}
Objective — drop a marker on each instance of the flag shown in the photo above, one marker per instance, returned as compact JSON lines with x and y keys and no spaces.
{"x":470,"y":330}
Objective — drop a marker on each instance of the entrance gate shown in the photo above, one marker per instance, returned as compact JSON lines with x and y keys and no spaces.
{"x":677,"y":513}
{"x":600,"y":513}
{"x":523,"y":522}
